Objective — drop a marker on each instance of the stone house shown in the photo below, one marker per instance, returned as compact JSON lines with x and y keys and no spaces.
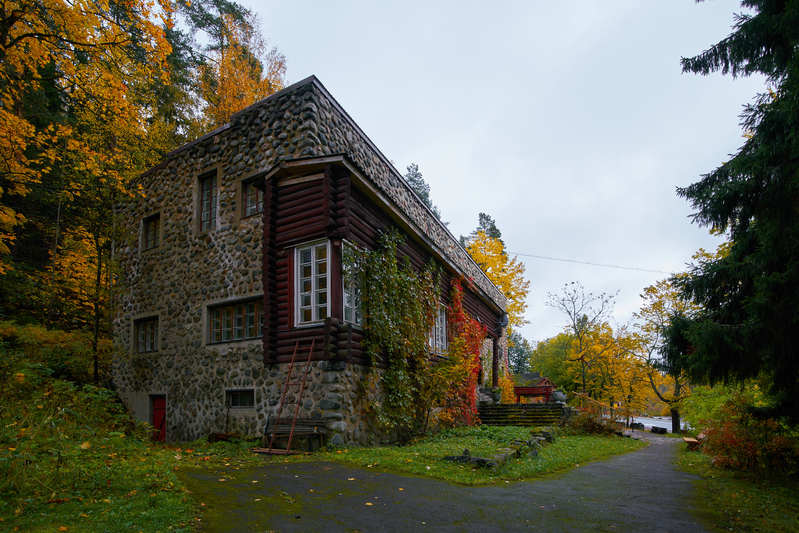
{"x":236,"y":256}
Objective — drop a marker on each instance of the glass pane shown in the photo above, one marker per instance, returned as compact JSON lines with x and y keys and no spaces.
{"x":305,"y":255}
{"x":305,"y":300}
{"x":321,"y":312}
{"x":321,"y":282}
{"x":305,"y":271}
{"x":306,"y":285}
{"x":348,"y":314}
{"x":321,"y":268}
{"x":321,"y":298}
{"x":238,"y":332}
{"x":305,"y":315}
{"x":321,"y":251}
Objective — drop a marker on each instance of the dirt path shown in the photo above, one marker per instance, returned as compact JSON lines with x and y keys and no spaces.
{"x":638,"y":491}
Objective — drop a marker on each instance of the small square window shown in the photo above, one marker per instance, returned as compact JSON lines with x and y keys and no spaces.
{"x":151,"y":227}
{"x":253,"y":198}
{"x":146,"y":334}
{"x":240,"y":398}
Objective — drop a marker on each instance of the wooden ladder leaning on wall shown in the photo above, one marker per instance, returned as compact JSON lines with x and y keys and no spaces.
{"x":291,"y":381}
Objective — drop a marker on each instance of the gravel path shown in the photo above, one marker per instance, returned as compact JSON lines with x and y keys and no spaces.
{"x":638,"y":491}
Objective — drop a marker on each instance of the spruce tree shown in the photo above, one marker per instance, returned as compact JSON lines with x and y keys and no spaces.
{"x":749,"y":297}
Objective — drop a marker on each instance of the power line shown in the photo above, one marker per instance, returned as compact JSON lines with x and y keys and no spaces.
{"x":605,"y":265}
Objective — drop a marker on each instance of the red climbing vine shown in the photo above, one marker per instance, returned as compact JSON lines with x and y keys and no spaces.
{"x":466,"y":340}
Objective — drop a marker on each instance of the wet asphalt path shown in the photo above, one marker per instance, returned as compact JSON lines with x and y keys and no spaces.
{"x":638,"y":491}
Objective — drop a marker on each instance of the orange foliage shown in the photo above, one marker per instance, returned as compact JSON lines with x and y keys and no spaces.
{"x":240,"y":73}
{"x":466,"y":339}
{"x":97,"y":68}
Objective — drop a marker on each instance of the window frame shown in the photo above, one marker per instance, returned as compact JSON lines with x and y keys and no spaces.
{"x":297,"y":294}
{"x":232,"y":321}
{"x":437,"y":338}
{"x":246,"y":185}
{"x":229,"y":394}
{"x":146,"y":221}
{"x":152,"y":337}
{"x":211,"y":176}
{"x":357,"y":310}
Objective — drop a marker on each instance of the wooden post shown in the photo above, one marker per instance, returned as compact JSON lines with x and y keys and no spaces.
{"x":268,"y":274}
{"x":495,"y":362}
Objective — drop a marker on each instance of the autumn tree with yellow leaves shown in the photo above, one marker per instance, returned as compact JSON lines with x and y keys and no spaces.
{"x":91,"y":56}
{"x":505,"y":272}
{"x":92,"y":93}
{"x":240,"y":71}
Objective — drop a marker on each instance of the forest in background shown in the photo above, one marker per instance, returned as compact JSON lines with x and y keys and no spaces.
{"x":91,"y":95}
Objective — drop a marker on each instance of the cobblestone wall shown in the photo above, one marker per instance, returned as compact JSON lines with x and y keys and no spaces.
{"x":191,"y":270}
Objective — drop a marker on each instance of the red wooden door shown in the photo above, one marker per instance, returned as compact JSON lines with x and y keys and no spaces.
{"x":158,"y":409}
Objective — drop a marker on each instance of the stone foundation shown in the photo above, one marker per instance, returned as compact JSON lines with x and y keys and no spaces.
{"x":195,"y":394}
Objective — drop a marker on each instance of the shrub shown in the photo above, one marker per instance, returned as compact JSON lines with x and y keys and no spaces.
{"x":740,"y":440}
{"x":65,"y":354}
{"x":587,"y":423}
{"x":506,"y":389}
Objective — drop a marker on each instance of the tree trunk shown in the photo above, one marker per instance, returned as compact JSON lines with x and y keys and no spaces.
{"x":675,"y":420}
{"x":97,"y":289}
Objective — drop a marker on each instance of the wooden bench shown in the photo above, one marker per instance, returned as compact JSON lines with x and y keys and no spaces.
{"x":309,"y":429}
{"x":692,"y":443}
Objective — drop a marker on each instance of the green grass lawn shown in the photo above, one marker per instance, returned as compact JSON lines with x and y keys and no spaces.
{"x":734,"y":501}
{"x":425,"y":457}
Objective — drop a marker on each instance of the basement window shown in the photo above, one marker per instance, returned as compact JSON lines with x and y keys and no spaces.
{"x":240,"y":398}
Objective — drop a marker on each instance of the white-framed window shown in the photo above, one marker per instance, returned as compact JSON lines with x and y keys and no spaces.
{"x":351,"y":283}
{"x":235,"y":321}
{"x":312,"y":282}
{"x":438,"y":335}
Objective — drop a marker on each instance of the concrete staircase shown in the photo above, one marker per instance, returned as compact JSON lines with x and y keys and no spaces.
{"x":526,"y":414}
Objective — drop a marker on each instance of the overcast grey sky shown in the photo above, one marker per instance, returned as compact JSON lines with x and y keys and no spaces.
{"x":569,"y":122}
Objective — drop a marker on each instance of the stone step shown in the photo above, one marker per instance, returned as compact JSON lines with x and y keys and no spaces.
{"x":520,"y":414}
